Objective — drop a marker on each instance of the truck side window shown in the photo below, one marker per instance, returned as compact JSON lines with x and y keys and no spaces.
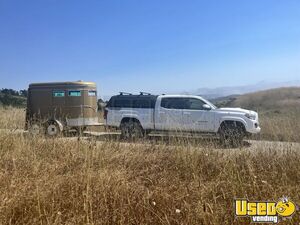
{"x":164,"y":102}
{"x":92,"y":93}
{"x":141,"y":103}
{"x":194,"y":104}
{"x":58,"y":94}
{"x":75,"y":93}
{"x":173,"y":103}
{"x":122,"y":103}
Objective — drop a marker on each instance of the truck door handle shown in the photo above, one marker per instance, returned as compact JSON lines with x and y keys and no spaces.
{"x":186,"y":113}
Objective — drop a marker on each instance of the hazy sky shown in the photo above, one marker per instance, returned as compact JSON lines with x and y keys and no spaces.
{"x":149,"y":45}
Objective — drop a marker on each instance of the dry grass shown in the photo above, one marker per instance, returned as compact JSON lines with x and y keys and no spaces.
{"x":12,"y":118}
{"x":58,"y":181}
{"x":268,"y":100}
{"x":280,"y":126}
{"x":72,"y":181}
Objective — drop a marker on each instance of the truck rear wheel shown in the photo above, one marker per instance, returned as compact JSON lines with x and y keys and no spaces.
{"x":131,"y":130}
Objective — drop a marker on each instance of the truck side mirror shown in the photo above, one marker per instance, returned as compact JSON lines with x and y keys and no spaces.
{"x":206,"y":107}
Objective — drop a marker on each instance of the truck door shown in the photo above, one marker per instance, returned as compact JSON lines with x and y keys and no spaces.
{"x":169,"y":114}
{"x":196,"y":118}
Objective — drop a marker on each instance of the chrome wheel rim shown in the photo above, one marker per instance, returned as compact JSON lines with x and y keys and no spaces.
{"x":52,"y":130}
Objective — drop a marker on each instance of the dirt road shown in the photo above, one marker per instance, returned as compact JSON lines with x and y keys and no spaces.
{"x":163,"y":139}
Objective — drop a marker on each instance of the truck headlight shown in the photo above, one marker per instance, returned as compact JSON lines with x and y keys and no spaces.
{"x":250,"y":116}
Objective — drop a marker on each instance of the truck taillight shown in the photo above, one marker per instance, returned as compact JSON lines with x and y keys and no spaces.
{"x":105,"y":114}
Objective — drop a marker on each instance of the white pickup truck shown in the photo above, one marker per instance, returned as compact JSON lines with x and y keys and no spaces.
{"x":137,"y":115}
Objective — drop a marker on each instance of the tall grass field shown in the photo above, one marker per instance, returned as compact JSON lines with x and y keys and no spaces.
{"x":86,"y":181}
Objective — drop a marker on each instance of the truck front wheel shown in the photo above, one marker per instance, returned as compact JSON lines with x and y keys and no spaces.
{"x":131,"y":130}
{"x":232,"y":134}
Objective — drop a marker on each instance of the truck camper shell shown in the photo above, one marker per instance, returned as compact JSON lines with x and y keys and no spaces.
{"x":132,"y":101}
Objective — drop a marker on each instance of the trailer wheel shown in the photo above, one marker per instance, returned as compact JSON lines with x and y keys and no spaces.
{"x":52,"y":129}
{"x":131,"y":130}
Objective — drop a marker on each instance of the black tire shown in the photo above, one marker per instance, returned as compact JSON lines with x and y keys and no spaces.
{"x":131,"y":130}
{"x":232,"y":134}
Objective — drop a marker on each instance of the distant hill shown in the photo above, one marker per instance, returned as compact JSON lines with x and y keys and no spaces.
{"x":11,"y":100}
{"x":224,"y":101}
{"x":276,"y":100}
{"x":10,"y":97}
{"x":212,"y":93}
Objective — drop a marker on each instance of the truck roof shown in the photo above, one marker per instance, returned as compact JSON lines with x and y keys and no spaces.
{"x":130,"y":100}
{"x":131,"y":96}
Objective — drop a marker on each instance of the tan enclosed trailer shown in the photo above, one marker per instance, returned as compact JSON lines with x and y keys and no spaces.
{"x":61,"y":106}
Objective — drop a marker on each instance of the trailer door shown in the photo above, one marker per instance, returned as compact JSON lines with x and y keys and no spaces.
{"x":74,"y":107}
{"x":90,"y":107}
{"x":58,"y":103}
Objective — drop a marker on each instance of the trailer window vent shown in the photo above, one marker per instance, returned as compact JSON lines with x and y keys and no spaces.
{"x":75,"y":93}
{"x":58,"y":94}
{"x":92,"y":93}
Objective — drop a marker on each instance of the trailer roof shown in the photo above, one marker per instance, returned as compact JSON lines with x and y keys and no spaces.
{"x":66,"y":83}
